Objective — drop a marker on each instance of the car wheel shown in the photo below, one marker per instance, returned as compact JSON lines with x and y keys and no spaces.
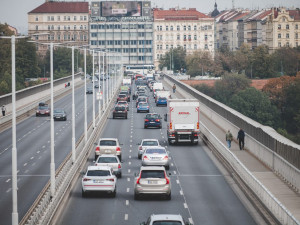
{"x":137,"y":111}
{"x":169,"y":196}
{"x":136,"y":196}
{"x":156,"y":104}
{"x":167,"y":167}
{"x":125,"y":117}
{"x":160,"y":126}
{"x":148,"y":111}
{"x":120,"y":175}
{"x":83,"y":194}
{"x":36,"y":115}
{"x":96,"y":156}
{"x":120,"y":157}
{"x":145,"y":126}
{"x":114,"y":117}
{"x":114,"y":193}
{"x":139,"y":156}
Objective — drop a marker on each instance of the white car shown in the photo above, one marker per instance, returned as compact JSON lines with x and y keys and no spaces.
{"x":145,"y":143}
{"x":156,"y":156}
{"x":111,"y":161}
{"x":108,"y":146}
{"x":99,"y":179}
{"x":165,"y":219}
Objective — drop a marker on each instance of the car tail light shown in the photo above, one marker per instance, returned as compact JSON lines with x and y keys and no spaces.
{"x":119,"y":166}
{"x":86,"y":179}
{"x":138,"y":106}
{"x":157,"y":120}
{"x":146,"y":158}
{"x":195,"y":135}
{"x":171,"y":126}
{"x":37,"y":111}
{"x":166,"y":157}
{"x":140,"y":148}
{"x":118,"y":149}
{"x":173,"y":135}
{"x":197,"y":125}
{"x":146,"y":120}
{"x":97,"y":149}
{"x":167,"y":180}
{"x":147,"y":107}
{"x":138,"y":180}
{"x":111,"y":179}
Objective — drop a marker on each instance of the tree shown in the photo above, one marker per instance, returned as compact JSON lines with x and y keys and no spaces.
{"x":199,"y":62}
{"x":229,"y":85}
{"x":262,"y":65}
{"x":178,"y":55}
{"x":225,"y":57}
{"x":242,"y":59}
{"x":256,"y":105}
{"x":205,"y":89}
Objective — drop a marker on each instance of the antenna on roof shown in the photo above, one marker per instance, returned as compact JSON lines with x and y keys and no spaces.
{"x":232,"y":4}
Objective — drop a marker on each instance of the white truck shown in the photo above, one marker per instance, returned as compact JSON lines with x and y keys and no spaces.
{"x":163,"y":94}
{"x":183,"y":121}
{"x":126,"y":81}
{"x":157,"y":87}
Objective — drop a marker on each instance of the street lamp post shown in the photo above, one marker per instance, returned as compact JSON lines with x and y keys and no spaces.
{"x":52,"y":163}
{"x":107,"y":80}
{"x":73,"y":110}
{"x":85,"y":100}
{"x":103,"y":79}
{"x":99,"y":69}
{"x":94,"y":91}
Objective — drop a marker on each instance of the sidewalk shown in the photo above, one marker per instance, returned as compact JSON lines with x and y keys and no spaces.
{"x":288,"y":197}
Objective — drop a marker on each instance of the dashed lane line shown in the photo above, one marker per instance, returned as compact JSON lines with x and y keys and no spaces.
{"x":126,"y":217}
{"x":128,"y":179}
{"x":7,"y":180}
{"x":185,"y":205}
{"x":127,"y":202}
{"x":128,"y":189}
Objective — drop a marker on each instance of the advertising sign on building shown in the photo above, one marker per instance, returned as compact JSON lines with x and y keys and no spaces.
{"x":126,"y":8}
{"x":95,"y":7}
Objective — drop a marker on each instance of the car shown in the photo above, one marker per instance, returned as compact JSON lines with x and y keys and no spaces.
{"x":152,"y":120}
{"x":99,"y":179}
{"x":123,"y":103}
{"x":111,"y":161}
{"x":89,"y":90}
{"x":152,"y":180}
{"x":156,"y":156}
{"x":59,"y":114}
{"x":122,"y":97}
{"x":162,"y":101}
{"x":142,"y":107}
{"x":43,"y":109}
{"x":120,"y":111}
{"x":125,"y":93}
{"x":165,"y":219}
{"x":145,"y":143}
{"x":141,"y":99}
{"x":97,"y":85}
{"x":108,"y":146}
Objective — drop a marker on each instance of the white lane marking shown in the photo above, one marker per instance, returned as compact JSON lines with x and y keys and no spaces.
{"x":131,"y":132}
{"x":128,"y":179}
{"x":181,"y":192}
{"x":40,"y":157}
{"x":48,"y":141}
{"x":8,"y":190}
{"x":130,"y":136}
{"x":26,"y":171}
{"x":44,"y":145}
{"x":33,"y":164}
{"x":126,"y":217}
{"x":191,"y":220}
{"x":32,"y":157}
{"x":7,"y":180}
{"x":127,"y":189}
{"x":130,"y":157}
{"x":19,"y":139}
{"x":131,"y":140}
{"x":129,"y":163}
{"x":177,"y":181}
{"x":130,"y":150}
{"x":185,"y":205}
{"x":25,"y":164}
{"x":163,"y":137}
{"x":172,"y":164}
{"x":174,"y":172}
{"x":129,"y":170}
{"x":38,"y":152}
{"x":127,"y":202}
{"x":130,"y":146}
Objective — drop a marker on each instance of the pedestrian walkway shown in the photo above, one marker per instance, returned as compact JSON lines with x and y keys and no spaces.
{"x":287,"y":196}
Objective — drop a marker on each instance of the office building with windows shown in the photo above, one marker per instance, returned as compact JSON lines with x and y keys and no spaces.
{"x":125,"y":28}
{"x":59,"y":22}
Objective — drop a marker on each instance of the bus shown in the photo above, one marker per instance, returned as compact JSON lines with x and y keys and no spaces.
{"x":141,"y":69}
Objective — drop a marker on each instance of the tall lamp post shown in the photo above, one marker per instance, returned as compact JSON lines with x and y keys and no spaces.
{"x":73,"y":110}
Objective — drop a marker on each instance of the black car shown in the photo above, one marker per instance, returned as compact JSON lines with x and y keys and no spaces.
{"x":152,"y":120}
{"x":43,"y":110}
{"x":59,"y":114}
{"x":120,"y":111}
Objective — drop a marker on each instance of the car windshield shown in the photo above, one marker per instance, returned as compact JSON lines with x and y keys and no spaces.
{"x":107,"y":160}
{"x":108,"y":143}
{"x":100,"y":173}
{"x":150,"y":143}
{"x":155,"y":151}
{"x":58,"y":111}
{"x":162,"y":98}
{"x":142,"y":99}
{"x":120,"y":108}
{"x":154,"y":116}
{"x":167,"y":223}
{"x":122,"y":96}
{"x":43,"y":107}
{"x":153,"y":174}
{"x":143,"y":104}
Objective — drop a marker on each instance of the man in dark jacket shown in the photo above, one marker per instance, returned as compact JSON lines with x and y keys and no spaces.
{"x":241,"y":138}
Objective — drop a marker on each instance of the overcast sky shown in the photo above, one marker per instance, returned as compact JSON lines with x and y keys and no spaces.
{"x":14,"y":12}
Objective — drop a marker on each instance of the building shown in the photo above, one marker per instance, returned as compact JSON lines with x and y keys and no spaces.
{"x":59,"y":22}
{"x":13,"y":29}
{"x":125,"y":28}
{"x":187,"y":28}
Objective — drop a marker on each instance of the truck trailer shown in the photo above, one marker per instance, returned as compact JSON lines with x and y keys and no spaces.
{"x":183,"y":121}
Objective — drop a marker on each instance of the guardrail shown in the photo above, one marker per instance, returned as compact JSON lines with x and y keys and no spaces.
{"x":222,"y":116}
{"x":43,"y":209}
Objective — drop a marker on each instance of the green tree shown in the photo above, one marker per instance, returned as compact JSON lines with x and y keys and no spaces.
{"x":242,"y":59}
{"x":178,"y":55}
{"x":229,"y":85}
{"x":205,"y":89}
{"x":199,"y":62}
{"x":262,"y":64}
{"x":256,"y":105}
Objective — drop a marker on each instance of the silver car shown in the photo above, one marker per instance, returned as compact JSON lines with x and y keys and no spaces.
{"x":111,"y":161}
{"x":108,"y":146}
{"x":165,"y":219}
{"x":156,"y":156}
{"x":146,"y":143}
{"x":152,"y":180}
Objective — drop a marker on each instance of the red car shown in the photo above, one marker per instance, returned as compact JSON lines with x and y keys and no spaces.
{"x":43,"y":110}
{"x":122,"y":97}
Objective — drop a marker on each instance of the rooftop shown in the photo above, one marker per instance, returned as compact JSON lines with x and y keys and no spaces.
{"x":62,"y":7}
{"x":178,"y":14}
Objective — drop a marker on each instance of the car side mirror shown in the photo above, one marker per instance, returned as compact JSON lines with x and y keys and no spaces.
{"x":143,"y":223}
{"x":166,"y":117}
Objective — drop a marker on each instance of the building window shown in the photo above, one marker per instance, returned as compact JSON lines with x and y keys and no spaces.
{"x":94,"y":35}
{"x":49,"y":27}
{"x":184,"y":46}
{"x":65,"y":18}
{"x":296,"y":36}
{"x":160,"y":28}
{"x":205,"y":37}
{"x":184,"y":37}
{"x":279,"y":26}
{"x":195,"y":37}
{"x":178,"y":36}
{"x":81,"y":18}
{"x":157,"y":28}
{"x":287,"y":35}
{"x":75,"y":18}
{"x":69,"y":28}
{"x":195,"y":27}
{"x":189,"y":27}
{"x":171,"y":46}
{"x":58,"y":37}
{"x":58,"y":18}
{"x":36,"y":27}
{"x":84,"y":18}
{"x":52,"y":27}
{"x":167,"y":46}
{"x":160,"y":47}
{"x":81,"y":27}
{"x":296,"y":26}
{"x":190,"y":37}
{"x":36,"y":18}
{"x":296,"y":44}
{"x":58,"y":27}
{"x":69,"y":18}
{"x":178,"y":27}
{"x":74,"y":37}
{"x":52,"y":18}
{"x":167,"y":28}
{"x":287,"y":44}
{"x":205,"y":46}
{"x":74,"y":27}
{"x":171,"y":28}
{"x":184,"y":27}
{"x":279,"y":35}
{"x":287,"y":26}
{"x":279,"y":44}
{"x":195,"y":46}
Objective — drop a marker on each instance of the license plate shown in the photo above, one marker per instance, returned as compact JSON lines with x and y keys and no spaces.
{"x":98,"y":181}
{"x":107,"y":151}
{"x":152,"y":182}
{"x":120,"y":111}
{"x":58,"y":117}
{"x":152,"y":122}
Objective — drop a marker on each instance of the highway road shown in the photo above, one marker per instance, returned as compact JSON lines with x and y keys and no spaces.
{"x":200,"y":192}
{"x":33,"y":150}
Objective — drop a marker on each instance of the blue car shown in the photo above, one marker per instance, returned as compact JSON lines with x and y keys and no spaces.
{"x":142,"y":107}
{"x":162,"y":101}
{"x":152,"y":120}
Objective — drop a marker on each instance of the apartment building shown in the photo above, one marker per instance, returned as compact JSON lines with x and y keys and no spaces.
{"x":125,"y":28}
{"x":59,"y":22}
{"x":188,"y":28}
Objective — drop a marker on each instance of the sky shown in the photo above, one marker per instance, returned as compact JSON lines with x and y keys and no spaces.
{"x":14,"y":12}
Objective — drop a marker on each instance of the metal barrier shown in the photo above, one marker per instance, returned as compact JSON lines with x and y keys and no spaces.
{"x":266,"y":144}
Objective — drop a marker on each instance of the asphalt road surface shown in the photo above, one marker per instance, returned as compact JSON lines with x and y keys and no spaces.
{"x":200,"y":193}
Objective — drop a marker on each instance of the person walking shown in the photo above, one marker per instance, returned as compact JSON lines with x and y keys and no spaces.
{"x":3,"y":110}
{"x":241,"y":138}
{"x":174,"y":88}
{"x":229,"y":138}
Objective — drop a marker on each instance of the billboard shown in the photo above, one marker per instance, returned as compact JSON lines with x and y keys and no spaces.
{"x":124,"y":8}
{"x":95,"y":8}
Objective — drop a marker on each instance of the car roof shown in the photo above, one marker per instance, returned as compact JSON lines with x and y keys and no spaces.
{"x":152,"y":168}
{"x":98,"y":168}
{"x":150,"y":140}
{"x":122,"y":102}
{"x":166,"y":217}
{"x":108,"y":155}
{"x":156,"y":147}
{"x":114,"y":139}
{"x":152,"y":114}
